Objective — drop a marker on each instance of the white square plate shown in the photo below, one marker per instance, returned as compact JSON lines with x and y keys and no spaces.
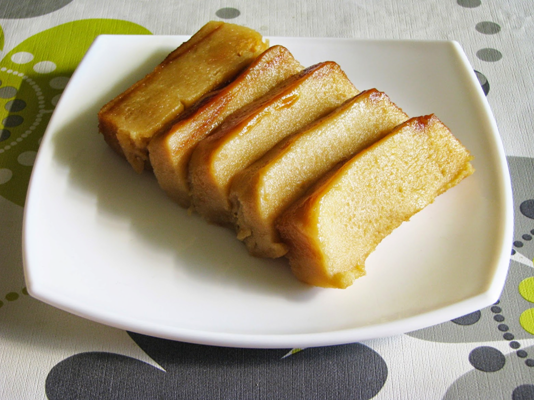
{"x":107,"y":244}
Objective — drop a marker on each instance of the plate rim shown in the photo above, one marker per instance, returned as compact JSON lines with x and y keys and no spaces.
{"x":247,"y":340}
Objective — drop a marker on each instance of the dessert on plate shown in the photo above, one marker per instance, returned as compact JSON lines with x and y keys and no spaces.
{"x":296,"y":160}
{"x":249,"y":133}
{"x":262,"y":191}
{"x":171,"y":150}
{"x":212,"y":57}
{"x":332,"y":229}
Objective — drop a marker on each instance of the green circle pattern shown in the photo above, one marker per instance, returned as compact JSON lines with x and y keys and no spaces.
{"x":526,"y":290}
{"x":13,"y":296}
{"x":29,"y":72}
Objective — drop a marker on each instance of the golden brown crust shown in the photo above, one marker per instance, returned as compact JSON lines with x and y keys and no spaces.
{"x":333,"y":228}
{"x":251,"y":132}
{"x":262,"y":191}
{"x":171,"y":150}
{"x":213,"y":56}
{"x":207,"y":118}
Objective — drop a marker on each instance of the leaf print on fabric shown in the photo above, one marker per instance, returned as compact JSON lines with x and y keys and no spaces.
{"x":32,"y":78}
{"x":1,"y":39}
{"x":203,"y":372}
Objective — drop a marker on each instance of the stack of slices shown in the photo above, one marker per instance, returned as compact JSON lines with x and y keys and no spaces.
{"x":297,"y":160}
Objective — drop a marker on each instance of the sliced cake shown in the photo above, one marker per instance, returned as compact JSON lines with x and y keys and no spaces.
{"x":262,"y":191}
{"x":332,"y":229}
{"x":212,"y":57}
{"x":251,"y":132}
{"x":171,"y":150}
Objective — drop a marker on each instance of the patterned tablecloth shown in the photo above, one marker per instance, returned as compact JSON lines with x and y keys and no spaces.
{"x":47,"y":353}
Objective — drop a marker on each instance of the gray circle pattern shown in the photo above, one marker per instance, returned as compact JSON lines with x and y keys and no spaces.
{"x":468,"y":319}
{"x":489,"y":54}
{"x":488,"y":28}
{"x":4,"y":135}
{"x":483,"y":82}
{"x":15,"y":105}
{"x":523,"y":392}
{"x":487,"y":359}
{"x":12,"y":121}
{"x":228,"y":13}
{"x":469,"y":3}
{"x":527,"y":208}
{"x":7,"y":92}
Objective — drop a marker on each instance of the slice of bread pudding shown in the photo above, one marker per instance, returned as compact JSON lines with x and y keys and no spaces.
{"x":212,"y":57}
{"x":332,"y":230}
{"x":261,"y":192}
{"x":171,"y":150}
{"x":251,"y":132}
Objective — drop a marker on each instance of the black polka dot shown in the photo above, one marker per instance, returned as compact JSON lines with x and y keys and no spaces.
{"x":497,"y":302}
{"x":523,"y":392}
{"x":498,"y":318}
{"x":527,"y":208}
{"x":8,"y":92}
{"x":469,"y":3}
{"x":468,"y":319}
{"x":4,"y":134}
{"x":518,"y":243}
{"x":514,"y":345}
{"x":489,"y":54}
{"x":522,"y":353}
{"x":496,"y":309}
{"x":513,"y":251}
{"x":532,"y":231}
{"x":228,"y":13}
{"x":483,"y":82}
{"x":12,"y":121}
{"x":530,"y":362}
{"x":508,"y":336}
{"x":15,"y":105}
{"x":488,"y":28}
{"x":487,"y":359}
{"x":526,"y":237}
{"x":503,"y":327}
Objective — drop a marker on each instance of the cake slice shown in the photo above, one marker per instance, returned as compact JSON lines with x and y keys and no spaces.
{"x":332,"y":230}
{"x":171,"y":150}
{"x":212,"y":57}
{"x":252,"y":131}
{"x":262,"y":191}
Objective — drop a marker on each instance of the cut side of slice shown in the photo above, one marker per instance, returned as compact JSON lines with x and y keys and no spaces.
{"x":261,"y":192}
{"x":171,"y":150}
{"x":212,"y":57}
{"x":332,"y":230}
{"x":251,"y":132}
